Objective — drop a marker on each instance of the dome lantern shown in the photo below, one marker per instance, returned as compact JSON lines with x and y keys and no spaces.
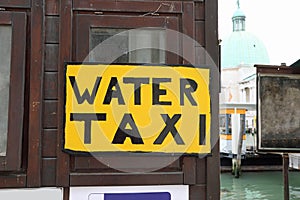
{"x":238,"y":19}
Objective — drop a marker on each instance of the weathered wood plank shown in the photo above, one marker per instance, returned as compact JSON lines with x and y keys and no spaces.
{"x":36,"y":95}
{"x":13,"y":181}
{"x":212,"y":47}
{"x":48,"y":170}
{"x":213,"y":174}
{"x":51,"y":57}
{"x":130,"y":6}
{"x":65,"y":49}
{"x":200,"y":55}
{"x":50,"y":114}
{"x":197,"y":192}
{"x":200,"y":32}
{"x":52,"y":29}
{"x":211,"y":30}
{"x":109,"y":179}
{"x":50,"y":86}
{"x":94,"y":163}
{"x":15,"y":3}
{"x":189,"y":170}
{"x":188,"y":29}
{"x":49,"y":139}
{"x":201,"y":171}
{"x":199,"y":11}
{"x":51,"y":7}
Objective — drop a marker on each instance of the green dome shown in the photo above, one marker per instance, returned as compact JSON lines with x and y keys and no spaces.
{"x":242,"y":47}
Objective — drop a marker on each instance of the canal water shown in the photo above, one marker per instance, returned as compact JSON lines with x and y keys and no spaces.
{"x":259,"y":186}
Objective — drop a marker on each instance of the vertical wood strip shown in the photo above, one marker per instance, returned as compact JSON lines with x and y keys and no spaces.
{"x":48,"y":170}
{"x":201,"y":171}
{"x":51,"y":7}
{"x":188,"y":29}
{"x":213,"y":174}
{"x":189,"y":170}
{"x":65,"y":49}
{"x":35,"y":99}
{"x":66,"y":193}
{"x":199,"y":11}
{"x":211,"y":44}
{"x":211,"y":30}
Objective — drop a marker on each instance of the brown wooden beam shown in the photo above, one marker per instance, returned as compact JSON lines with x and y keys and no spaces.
{"x":36,"y":94}
{"x":123,"y":179}
{"x":65,"y":49}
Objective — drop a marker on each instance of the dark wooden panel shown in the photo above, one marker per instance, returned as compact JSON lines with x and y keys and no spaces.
{"x":15,"y":3}
{"x":212,"y":47}
{"x":36,"y":95}
{"x":213,"y":174}
{"x":174,"y":166}
{"x":189,"y":170}
{"x":49,"y":139}
{"x":51,"y":57}
{"x":188,"y":28}
{"x":65,"y":49}
{"x":199,"y":11}
{"x":50,"y":114}
{"x":50,"y":85}
{"x":12,"y":181}
{"x":88,"y":163}
{"x":6,"y":18}
{"x":200,"y":32}
{"x":109,"y":179}
{"x":273,"y":69}
{"x":94,"y":163}
{"x":48,"y":171}
{"x":211,"y":30}
{"x":66,"y":193}
{"x":201,"y":171}
{"x":52,"y":29}
{"x":129,"y":6}
{"x":51,"y":7}
{"x":198,"y":192}
{"x":200,"y":55}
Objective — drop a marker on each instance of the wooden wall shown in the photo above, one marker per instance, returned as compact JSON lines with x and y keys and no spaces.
{"x":50,"y":44}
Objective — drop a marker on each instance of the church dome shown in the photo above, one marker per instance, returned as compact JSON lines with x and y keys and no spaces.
{"x":242,"y":47}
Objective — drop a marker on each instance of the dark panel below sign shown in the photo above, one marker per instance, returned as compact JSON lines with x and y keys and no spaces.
{"x":279,"y":112}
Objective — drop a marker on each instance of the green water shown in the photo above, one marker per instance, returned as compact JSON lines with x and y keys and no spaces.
{"x":259,"y":186}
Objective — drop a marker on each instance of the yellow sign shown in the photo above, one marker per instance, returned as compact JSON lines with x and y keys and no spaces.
{"x":131,"y":108}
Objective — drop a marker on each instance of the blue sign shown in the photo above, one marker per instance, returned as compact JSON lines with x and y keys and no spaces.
{"x":138,"y":196}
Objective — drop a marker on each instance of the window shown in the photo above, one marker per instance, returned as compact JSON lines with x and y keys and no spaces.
{"x":130,"y":37}
{"x":5,"y":57}
{"x":12,"y":71}
{"x":247,"y":93}
{"x":127,"y":43}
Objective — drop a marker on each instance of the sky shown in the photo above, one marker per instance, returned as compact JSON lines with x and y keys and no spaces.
{"x":276,"y":23}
